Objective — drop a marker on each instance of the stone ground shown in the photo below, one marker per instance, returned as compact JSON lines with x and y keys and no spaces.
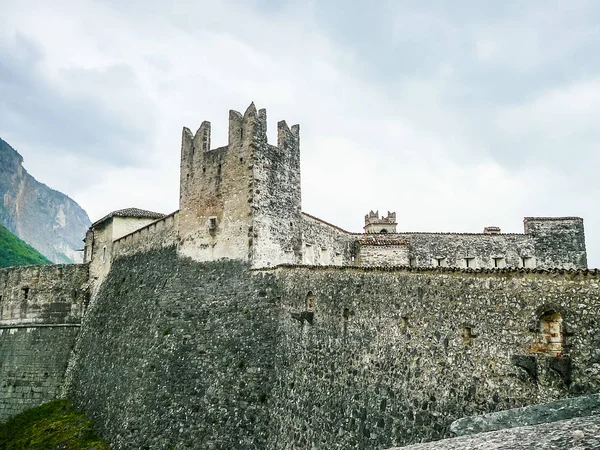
{"x":572,"y":434}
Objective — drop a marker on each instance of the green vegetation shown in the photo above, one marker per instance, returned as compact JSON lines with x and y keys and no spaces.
{"x":15,"y":252}
{"x":53,"y":425}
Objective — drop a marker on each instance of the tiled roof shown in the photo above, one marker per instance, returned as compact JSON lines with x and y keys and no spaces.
{"x":130,"y":212}
{"x":381,"y":242}
{"x":549,"y":219}
{"x":498,"y":271}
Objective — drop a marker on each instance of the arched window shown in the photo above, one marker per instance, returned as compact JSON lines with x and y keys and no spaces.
{"x":383,"y":231}
{"x":551,"y":333}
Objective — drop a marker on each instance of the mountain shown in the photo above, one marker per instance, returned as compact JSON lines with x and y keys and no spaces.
{"x":48,"y":220}
{"x":15,"y":252}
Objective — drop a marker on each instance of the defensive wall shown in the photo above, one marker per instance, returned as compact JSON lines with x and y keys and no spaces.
{"x":216,"y":355}
{"x":240,"y":322}
{"x":41,"y":310}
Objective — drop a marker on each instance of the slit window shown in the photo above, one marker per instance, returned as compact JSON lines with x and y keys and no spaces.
{"x":527,"y":262}
{"x":25,"y":292}
{"x":498,"y":262}
{"x":104,"y":254}
{"x":439,"y":262}
{"x":469,"y":263}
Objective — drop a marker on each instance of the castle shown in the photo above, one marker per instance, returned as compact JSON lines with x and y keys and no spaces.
{"x":239,"y":321}
{"x":243,"y":201}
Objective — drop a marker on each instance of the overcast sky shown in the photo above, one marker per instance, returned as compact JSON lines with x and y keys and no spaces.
{"x":455,"y":114}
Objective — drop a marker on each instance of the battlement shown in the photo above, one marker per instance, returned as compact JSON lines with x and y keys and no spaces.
{"x":236,"y":200}
{"x":376,"y":224}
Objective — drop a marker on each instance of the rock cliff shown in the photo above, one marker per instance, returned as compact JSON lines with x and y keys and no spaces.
{"x":48,"y":220}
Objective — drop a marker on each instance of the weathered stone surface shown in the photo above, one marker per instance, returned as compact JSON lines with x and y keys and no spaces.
{"x":573,"y":434}
{"x":214,"y":355}
{"x":40,"y":312}
{"x":528,"y":415}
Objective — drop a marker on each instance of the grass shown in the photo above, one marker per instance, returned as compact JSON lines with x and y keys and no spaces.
{"x":15,"y":252}
{"x":53,"y":425}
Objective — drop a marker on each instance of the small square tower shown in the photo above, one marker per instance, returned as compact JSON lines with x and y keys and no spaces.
{"x":375,"y":224}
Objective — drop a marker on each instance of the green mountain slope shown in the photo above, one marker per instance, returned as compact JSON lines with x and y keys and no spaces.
{"x":15,"y":252}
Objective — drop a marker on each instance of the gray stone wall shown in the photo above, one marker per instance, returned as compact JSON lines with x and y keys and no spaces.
{"x":158,"y":234}
{"x":454,"y":248}
{"x":214,"y":355}
{"x":180,"y":354}
{"x":324,"y":244}
{"x":41,"y":312}
{"x":393,"y":357}
{"x":558,"y":241}
{"x":276,"y":225}
{"x":384,"y":255}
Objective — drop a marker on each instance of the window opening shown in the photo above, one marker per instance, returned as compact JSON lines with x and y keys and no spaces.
{"x":470,"y":263}
{"x":551,"y":333}
{"x":498,"y":262}
{"x":25,"y":292}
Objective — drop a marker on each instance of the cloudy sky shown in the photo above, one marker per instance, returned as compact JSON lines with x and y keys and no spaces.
{"x":456,"y":115}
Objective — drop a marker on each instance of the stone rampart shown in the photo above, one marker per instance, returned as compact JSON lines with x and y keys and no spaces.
{"x":324,"y":244}
{"x":156,"y":235}
{"x":41,"y":310}
{"x":218,"y":356}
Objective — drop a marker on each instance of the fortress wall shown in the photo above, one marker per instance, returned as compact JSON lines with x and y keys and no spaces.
{"x":41,"y":309}
{"x":384,"y":255}
{"x":176,"y":353}
{"x":455,"y":247}
{"x":158,"y":234}
{"x":324,"y":244}
{"x":559,"y":241}
{"x":395,"y":356}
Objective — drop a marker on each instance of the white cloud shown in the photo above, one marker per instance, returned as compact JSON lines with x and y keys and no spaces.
{"x":408,"y":140}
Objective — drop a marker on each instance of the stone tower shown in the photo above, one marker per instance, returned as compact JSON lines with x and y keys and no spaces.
{"x":375,"y":224}
{"x":241,"y":201}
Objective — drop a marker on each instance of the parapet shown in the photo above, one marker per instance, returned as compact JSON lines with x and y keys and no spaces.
{"x":375,"y":224}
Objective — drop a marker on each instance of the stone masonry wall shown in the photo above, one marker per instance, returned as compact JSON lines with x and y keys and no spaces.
{"x":176,"y":353}
{"x":455,"y":247}
{"x":277,"y":229}
{"x":158,"y":234}
{"x":324,"y":244}
{"x":393,"y":357}
{"x":380,"y":256}
{"x":41,"y":309}
{"x":559,"y":241}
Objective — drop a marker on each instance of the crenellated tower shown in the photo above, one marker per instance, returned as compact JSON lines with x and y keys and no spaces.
{"x":241,"y":201}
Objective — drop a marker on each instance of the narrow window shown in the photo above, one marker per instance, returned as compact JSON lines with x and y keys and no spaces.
{"x":468,"y":335}
{"x":212,"y":223}
{"x":310,"y":301}
{"x":412,"y":262}
{"x":25,"y":292}
{"x":551,"y":329}
{"x":104,"y":254}
{"x":469,"y":263}
{"x":440,"y":262}
{"x":308,"y":254}
{"x":324,"y":256}
{"x":527,"y":262}
{"x":498,"y":262}
{"x":346,"y":314}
